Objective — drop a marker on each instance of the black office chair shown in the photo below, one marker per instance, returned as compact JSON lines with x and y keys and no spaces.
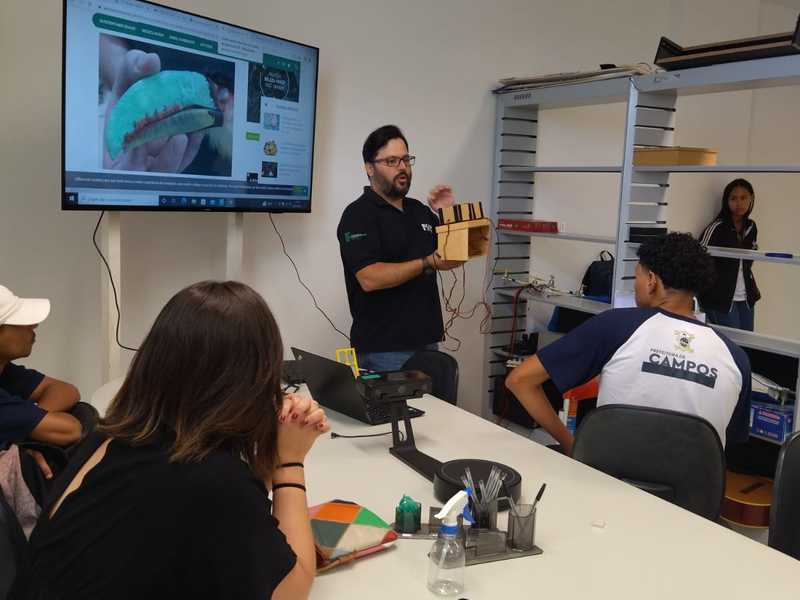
{"x":676,"y":456}
{"x":13,"y":551}
{"x":784,"y":516}
{"x":441,"y":368}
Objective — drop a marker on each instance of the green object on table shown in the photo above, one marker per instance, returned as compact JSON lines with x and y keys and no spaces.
{"x":407,"y":515}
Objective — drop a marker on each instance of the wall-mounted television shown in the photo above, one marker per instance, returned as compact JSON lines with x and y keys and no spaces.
{"x":164,"y":110}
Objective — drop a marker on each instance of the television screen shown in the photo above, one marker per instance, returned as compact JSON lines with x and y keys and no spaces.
{"x":166,"y":110}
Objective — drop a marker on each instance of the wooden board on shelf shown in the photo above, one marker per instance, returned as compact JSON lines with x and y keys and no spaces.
{"x":677,"y":155}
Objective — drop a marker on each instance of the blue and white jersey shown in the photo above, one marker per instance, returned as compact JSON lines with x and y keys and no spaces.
{"x":649,"y":357}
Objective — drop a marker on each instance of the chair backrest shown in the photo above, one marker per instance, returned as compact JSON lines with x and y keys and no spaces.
{"x":673,"y":455}
{"x":784,"y":517}
{"x":13,"y":548}
{"x":441,"y":368}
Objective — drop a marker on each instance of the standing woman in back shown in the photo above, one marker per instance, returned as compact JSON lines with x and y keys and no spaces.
{"x":731,"y":299}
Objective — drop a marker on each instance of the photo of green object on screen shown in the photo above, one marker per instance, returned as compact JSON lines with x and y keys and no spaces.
{"x":165,"y":110}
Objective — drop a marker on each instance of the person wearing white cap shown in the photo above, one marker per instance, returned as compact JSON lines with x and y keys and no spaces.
{"x":32,"y":409}
{"x":32,"y":405}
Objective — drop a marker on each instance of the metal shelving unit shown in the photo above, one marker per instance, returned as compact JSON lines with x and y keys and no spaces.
{"x":650,"y":120}
{"x":564,"y":300}
{"x":520,"y":169}
{"x":720,"y":169}
{"x":754,"y":255}
{"x":578,"y":237}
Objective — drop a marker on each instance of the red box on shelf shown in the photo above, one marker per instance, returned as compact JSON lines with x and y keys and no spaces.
{"x":529,"y":225}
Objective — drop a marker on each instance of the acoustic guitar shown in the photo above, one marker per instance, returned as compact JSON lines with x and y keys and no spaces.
{"x":747,"y":499}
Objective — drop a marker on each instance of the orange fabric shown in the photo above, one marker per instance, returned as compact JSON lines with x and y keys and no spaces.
{"x":340,"y":513}
{"x":584,"y":391}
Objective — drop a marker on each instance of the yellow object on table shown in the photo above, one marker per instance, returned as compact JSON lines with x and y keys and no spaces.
{"x":347,"y":356}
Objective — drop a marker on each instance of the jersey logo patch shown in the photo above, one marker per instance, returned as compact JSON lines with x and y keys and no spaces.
{"x":683,"y":340}
{"x":349,"y":237}
{"x":427,"y":227}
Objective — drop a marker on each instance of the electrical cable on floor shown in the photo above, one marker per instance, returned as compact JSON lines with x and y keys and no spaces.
{"x":302,"y":283}
{"x":111,"y":280}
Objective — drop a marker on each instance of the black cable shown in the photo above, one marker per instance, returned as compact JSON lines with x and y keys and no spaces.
{"x":299,"y":279}
{"x":496,"y":258}
{"x":111,"y":279}
{"x":335,"y":435}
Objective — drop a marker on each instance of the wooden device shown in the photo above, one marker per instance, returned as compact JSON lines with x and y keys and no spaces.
{"x":464,"y":233}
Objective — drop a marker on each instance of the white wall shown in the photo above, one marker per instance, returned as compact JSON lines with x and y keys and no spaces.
{"x":426,"y":66}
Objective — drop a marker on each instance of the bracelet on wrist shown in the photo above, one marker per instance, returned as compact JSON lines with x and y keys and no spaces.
{"x":290,"y":464}
{"x":278,"y":486}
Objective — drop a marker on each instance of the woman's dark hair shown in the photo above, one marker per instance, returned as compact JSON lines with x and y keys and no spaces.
{"x":206,"y":378}
{"x":680,"y":261}
{"x":378,"y":139}
{"x":725,"y":210}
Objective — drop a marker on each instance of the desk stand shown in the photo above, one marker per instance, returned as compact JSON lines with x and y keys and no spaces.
{"x":406,"y":450}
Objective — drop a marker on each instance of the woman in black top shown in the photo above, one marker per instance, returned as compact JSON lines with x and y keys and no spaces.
{"x":731,"y":298}
{"x":169,"y":498}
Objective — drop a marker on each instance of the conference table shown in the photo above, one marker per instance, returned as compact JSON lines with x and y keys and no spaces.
{"x":601,"y":538}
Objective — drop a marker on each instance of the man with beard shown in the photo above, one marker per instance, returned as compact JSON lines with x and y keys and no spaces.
{"x":388,"y":247}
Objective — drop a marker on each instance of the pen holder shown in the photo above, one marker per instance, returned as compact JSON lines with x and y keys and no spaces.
{"x":485,"y":515}
{"x":521,"y":527}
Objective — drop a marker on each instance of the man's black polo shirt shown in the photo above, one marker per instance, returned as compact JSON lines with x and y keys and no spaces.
{"x":405,"y":317}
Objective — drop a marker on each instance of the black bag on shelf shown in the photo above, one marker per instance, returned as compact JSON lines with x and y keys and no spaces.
{"x":598,"y":277}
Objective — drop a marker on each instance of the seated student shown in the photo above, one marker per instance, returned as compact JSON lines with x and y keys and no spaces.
{"x":32,"y":407}
{"x":656,"y":355}
{"x":168,"y":497}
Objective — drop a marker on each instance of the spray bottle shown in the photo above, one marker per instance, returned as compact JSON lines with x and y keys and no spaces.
{"x":446,"y":568}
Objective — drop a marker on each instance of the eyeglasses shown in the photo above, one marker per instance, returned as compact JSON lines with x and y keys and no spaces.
{"x":394,"y":161}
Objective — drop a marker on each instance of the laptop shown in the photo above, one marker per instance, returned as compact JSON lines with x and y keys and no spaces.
{"x":332,"y":385}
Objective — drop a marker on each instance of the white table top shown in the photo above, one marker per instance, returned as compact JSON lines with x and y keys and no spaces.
{"x":648,"y":548}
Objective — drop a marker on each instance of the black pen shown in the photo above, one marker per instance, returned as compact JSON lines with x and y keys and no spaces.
{"x":538,"y":496}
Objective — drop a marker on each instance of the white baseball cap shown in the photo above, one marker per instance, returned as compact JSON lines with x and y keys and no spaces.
{"x":21,"y":311}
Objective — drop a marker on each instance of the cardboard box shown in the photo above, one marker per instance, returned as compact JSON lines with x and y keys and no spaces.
{"x":464,"y":240}
{"x":771,"y":421}
{"x":675,"y":155}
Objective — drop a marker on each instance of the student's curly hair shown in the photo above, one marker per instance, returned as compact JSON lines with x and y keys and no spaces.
{"x":680,"y":261}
